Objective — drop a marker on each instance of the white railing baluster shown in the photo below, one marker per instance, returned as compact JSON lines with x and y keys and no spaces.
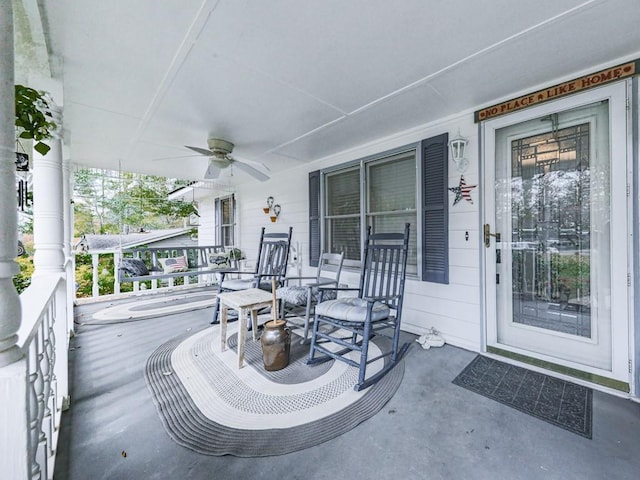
{"x":116,"y":278}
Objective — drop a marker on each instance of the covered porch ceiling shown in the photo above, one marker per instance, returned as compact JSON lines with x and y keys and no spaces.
{"x":291,"y":82}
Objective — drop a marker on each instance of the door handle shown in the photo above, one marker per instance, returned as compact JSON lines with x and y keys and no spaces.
{"x":488,"y":235}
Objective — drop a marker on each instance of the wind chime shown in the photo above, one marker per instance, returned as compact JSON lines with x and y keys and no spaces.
{"x":22,"y":174}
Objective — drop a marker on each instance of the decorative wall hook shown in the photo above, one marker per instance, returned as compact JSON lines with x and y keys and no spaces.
{"x":269,"y":206}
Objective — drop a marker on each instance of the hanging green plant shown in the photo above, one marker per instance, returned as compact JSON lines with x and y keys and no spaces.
{"x":33,"y":117}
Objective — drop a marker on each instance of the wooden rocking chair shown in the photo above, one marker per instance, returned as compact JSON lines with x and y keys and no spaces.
{"x":377,"y":308}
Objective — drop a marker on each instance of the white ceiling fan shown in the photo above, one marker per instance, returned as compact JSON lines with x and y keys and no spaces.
{"x":219,"y":153}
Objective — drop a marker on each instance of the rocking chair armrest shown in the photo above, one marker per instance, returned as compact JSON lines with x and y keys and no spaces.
{"x":287,"y":279}
{"x":324,"y":284}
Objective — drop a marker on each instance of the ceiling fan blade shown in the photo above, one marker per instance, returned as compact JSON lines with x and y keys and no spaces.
{"x":201,"y":151}
{"x":212,"y":172}
{"x":254,"y":172}
{"x":252,"y":163}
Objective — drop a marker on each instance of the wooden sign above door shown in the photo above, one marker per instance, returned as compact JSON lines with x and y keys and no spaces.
{"x":560,"y":90}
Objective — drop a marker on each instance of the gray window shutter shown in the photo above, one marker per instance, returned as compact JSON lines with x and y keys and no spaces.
{"x":435,"y":218}
{"x":314,"y":218}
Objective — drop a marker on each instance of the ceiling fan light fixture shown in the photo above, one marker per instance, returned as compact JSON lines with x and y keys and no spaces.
{"x":221,"y":161}
{"x":220,"y":147}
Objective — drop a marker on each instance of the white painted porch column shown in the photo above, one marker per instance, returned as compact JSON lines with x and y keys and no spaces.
{"x":10,"y":311}
{"x":48,"y":210}
{"x":65,"y":296}
{"x":14,"y":437}
{"x":67,"y":177}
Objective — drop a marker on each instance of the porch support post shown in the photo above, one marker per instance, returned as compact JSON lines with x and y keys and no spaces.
{"x":10,"y":310}
{"x":14,"y":436}
{"x":70,"y":265}
{"x":48,"y":210}
{"x":65,"y":294}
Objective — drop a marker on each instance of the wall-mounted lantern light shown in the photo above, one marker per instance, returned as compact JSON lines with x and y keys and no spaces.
{"x":458,"y":145}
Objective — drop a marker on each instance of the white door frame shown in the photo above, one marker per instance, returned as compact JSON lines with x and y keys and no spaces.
{"x":620,"y":218}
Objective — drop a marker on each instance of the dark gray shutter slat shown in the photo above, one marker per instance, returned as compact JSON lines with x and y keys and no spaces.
{"x":435,"y":218}
{"x":314,"y":218}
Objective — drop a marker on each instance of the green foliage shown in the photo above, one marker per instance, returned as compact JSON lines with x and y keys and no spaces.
{"x":574,"y":271}
{"x":33,"y":117}
{"x":84,"y":280}
{"x":23,"y":279}
{"x":82,"y":219}
{"x":106,"y":275}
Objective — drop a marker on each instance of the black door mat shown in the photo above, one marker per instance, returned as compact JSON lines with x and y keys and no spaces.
{"x":556,"y":401}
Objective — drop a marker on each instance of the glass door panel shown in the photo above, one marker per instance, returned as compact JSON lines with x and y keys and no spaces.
{"x":551,"y":229}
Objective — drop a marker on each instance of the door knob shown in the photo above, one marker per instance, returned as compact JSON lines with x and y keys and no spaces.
{"x":488,"y":235}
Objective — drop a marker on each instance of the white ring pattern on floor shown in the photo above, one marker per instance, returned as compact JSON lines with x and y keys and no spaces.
{"x":156,"y":307}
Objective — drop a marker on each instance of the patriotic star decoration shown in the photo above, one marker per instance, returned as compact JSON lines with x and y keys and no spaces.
{"x":462,"y":191}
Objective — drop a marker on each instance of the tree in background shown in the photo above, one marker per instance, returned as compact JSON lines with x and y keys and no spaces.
{"x":108,"y":202}
{"x":112,"y":202}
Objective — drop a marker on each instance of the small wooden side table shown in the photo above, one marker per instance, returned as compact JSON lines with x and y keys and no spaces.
{"x":244,"y":301}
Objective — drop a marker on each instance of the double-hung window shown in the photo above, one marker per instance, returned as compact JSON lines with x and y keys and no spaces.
{"x":225,"y":221}
{"x":378,"y":192}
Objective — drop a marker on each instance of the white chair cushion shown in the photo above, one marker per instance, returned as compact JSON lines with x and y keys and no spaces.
{"x":352,"y":310}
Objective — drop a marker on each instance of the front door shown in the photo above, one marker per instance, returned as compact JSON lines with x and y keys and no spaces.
{"x":556,"y":234}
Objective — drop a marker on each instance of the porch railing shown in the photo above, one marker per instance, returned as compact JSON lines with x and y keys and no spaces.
{"x":197,"y":276}
{"x":33,"y":389}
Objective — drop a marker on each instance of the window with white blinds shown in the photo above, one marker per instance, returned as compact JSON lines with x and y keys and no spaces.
{"x":342,"y":213}
{"x":391,"y":198}
{"x":386,"y":202}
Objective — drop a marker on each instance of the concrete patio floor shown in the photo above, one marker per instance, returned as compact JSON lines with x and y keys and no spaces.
{"x":431,"y":428}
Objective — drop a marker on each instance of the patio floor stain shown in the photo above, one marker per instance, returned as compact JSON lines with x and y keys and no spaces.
{"x":553,"y":400}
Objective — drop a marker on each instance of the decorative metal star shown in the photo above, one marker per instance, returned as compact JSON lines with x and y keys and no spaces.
{"x":462,"y":191}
